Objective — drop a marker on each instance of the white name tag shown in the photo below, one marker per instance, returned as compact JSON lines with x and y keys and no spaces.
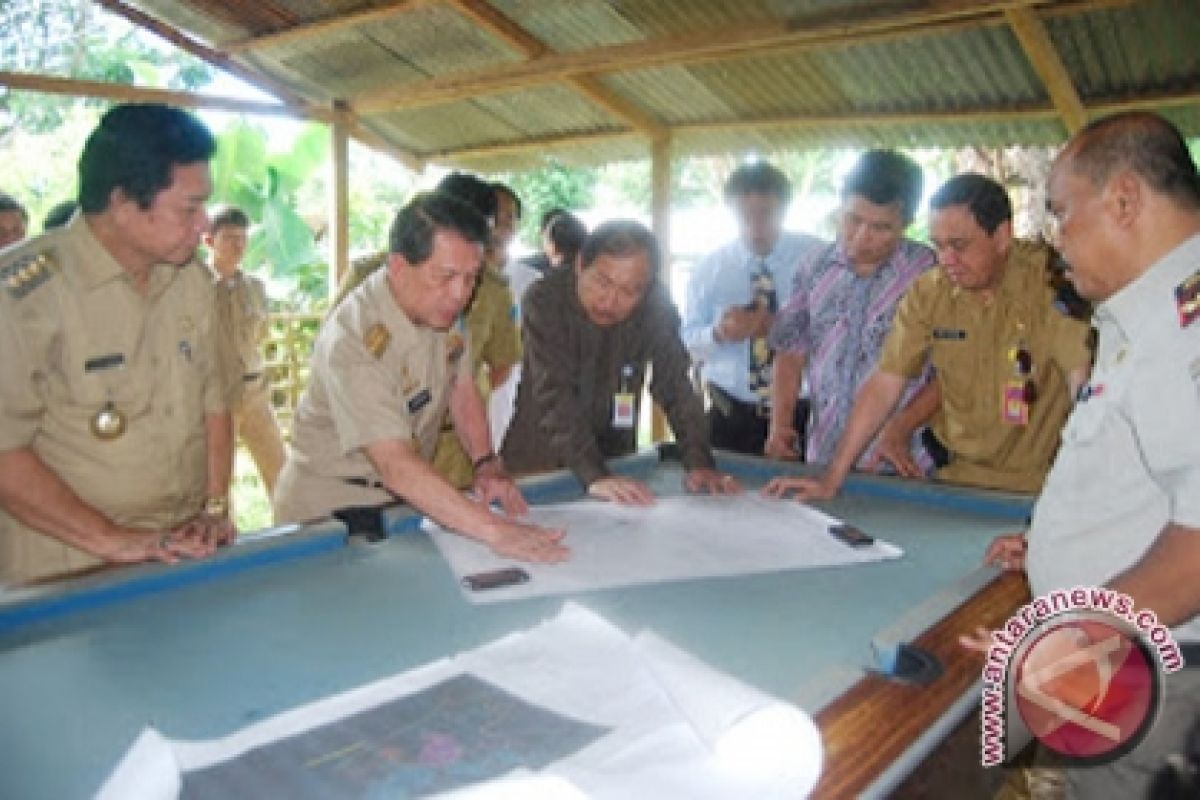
{"x":624,"y":410}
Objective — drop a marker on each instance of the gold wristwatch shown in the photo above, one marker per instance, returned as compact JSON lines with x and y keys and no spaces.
{"x":217,"y":506}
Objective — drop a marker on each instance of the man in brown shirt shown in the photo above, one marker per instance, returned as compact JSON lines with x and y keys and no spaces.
{"x":115,"y":436}
{"x":1007,"y":360}
{"x":589,"y":335}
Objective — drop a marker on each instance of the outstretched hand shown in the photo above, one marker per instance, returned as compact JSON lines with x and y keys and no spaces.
{"x":804,"y":489}
{"x":622,"y":490}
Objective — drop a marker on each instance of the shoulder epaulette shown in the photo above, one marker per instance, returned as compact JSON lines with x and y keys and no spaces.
{"x":27,"y":273}
{"x":1187,"y":300}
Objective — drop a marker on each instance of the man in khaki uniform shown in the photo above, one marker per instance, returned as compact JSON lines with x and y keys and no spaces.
{"x":491,"y":318}
{"x":242,"y":300}
{"x":114,"y":429}
{"x":385,"y":368}
{"x":1007,"y":360}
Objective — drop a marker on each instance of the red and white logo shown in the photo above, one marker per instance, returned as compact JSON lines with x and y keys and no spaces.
{"x":1086,"y":686}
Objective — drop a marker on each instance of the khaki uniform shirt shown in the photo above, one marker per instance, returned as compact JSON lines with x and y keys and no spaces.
{"x":375,"y":376}
{"x":491,"y":323}
{"x":970,"y":343}
{"x":360,"y":270}
{"x":243,"y":304}
{"x":76,"y":335}
{"x":1130,"y":458}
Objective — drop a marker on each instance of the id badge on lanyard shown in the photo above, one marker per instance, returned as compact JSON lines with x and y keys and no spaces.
{"x":624,"y":406}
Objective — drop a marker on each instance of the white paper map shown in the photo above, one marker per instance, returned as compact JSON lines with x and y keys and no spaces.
{"x":698,"y":536}
{"x":571,"y":709}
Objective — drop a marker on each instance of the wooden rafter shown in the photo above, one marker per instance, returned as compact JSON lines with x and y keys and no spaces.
{"x":125,"y":93}
{"x":327,"y":25}
{"x":301,"y":105}
{"x":714,"y":45}
{"x":1039,"y":48}
{"x":207,"y":54}
{"x":487,"y":17}
{"x":825,"y":122}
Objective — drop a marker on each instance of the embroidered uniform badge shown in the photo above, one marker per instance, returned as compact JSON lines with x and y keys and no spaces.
{"x":27,"y":273}
{"x":376,"y":339}
{"x":1187,"y":300}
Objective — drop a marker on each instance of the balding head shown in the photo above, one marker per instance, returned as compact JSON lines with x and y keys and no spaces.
{"x":1123,"y":193}
{"x":1143,"y":143}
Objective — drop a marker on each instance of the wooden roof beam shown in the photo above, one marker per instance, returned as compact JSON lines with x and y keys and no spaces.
{"x":369,"y":138}
{"x":1039,"y":48}
{"x":487,"y":17}
{"x":830,"y":121}
{"x":301,"y":105}
{"x":207,"y":54}
{"x":327,"y":25}
{"x":104,"y":90}
{"x":752,"y":40}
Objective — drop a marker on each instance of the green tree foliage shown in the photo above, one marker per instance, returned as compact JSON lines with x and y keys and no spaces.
{"x":554,"y":186}
{"x":77,"y":39}
{"x":41,"y":134}
{"x":265,"y":186}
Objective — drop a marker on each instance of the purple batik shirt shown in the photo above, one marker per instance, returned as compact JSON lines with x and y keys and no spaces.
{"x":839,"y":321}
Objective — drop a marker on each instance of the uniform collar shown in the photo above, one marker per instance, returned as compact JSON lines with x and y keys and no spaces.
{"x":1025,"y":261}
{"x":392,"y":314}
{"x":1152,"y":294}
{"x":96,"y":266}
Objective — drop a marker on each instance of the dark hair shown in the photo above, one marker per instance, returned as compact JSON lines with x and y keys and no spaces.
{"x":1143,"y":142}
{"x":59,"y":214}
{"x":758,"y":178}
{"x":412,"y":231}
{"x":622,"y":237}
{"x":567,"y":232}
{"x":227,"y":217}
{"x":134,"y":149}
{"x":471,"y":190}
{"x":984,"y":198}
{"x":504,"y":188}
{"x":9,"y":203}
{"x":548,"y":217}
{"x":885,"y":177}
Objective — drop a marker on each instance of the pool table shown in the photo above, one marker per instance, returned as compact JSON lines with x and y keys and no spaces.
{"x":292,"y":615}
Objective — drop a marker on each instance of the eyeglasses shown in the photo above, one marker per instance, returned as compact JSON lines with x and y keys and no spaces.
{"x":1022,"y":361}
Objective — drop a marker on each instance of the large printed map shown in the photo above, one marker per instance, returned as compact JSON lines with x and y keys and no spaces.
{"x":461,"y":731}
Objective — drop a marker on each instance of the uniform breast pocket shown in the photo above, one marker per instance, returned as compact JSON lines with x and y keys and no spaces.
{"x":84,"y":395}
{"x":959,"y":373}
{"x":194,"y":367}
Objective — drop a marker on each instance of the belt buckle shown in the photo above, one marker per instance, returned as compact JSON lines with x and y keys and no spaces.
{"x":762,"y":409}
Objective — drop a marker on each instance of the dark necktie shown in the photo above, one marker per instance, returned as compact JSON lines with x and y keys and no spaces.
{"x":763,"y":285}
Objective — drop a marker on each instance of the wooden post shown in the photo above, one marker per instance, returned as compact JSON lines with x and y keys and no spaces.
{"x":660,"y":215}
{"x":339,"y":212}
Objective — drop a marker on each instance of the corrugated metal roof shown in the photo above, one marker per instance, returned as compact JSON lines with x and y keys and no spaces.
{"x":448,"y":80}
